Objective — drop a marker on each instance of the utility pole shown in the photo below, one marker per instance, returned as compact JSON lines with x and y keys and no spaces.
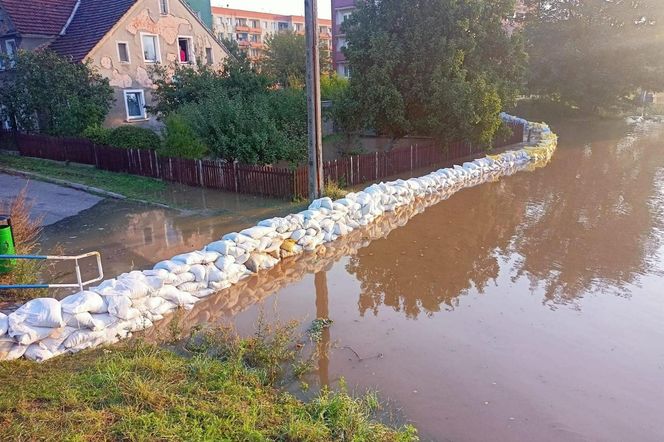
{"x":315,"y":139}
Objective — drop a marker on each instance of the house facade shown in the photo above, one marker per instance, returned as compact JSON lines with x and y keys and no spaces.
{"x":251,"y":29}
{"x":123,"y":40}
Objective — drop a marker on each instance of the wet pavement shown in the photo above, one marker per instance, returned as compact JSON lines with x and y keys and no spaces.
{"x":525,"y":309}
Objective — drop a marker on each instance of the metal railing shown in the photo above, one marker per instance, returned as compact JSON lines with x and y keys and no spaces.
{"x":80,"y":284}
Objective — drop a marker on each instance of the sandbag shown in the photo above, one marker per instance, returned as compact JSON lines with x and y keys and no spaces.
{"x":258,"y":232}
{"x":222,"y":247}
{"x":40,"y":312}
{"x":177,"y":297}
{"x":121,"y":307}
{"x":191,"y":287}
{"x":4,"y":324}
{"x":26,"y":334}
{"x":199,"y":271}
{"x":172,"y":266}
{"x":37,"y":352}
{"x":10,"y":350}
{"x":84,"y":302}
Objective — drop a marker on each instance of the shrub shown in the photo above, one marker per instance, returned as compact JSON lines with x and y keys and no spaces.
{"x":180,"y":140}
{"x":97,"y":134}
{"x":134,"y":137}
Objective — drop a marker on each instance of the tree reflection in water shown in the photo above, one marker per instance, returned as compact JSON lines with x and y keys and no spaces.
{"x":586,"y":223}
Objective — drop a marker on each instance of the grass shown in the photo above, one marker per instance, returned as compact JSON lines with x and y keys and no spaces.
{"x":334,"y":190}
{"x":216,"y":386}
{"x":131,"y":186}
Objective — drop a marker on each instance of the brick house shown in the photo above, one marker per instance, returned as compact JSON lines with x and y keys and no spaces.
{"x":122,"y":39}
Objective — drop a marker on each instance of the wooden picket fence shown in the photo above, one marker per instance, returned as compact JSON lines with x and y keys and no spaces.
{"x":269,"y":181}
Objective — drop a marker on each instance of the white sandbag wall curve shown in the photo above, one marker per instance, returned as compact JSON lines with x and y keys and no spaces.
{"x":45,"y":327}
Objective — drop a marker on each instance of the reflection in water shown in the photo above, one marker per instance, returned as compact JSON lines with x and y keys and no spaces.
{"x":587,"y":224}
{"x":323,"y":312}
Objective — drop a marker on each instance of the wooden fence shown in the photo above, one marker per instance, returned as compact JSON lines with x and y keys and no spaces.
{"x":257,"y":180}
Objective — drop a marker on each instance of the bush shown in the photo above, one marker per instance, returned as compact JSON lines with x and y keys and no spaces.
{"x":133,"y":137}
{"x":180,"y":140}
{"x":97,"y":134}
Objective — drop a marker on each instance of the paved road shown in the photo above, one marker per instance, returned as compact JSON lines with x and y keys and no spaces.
{"x":51,"y":201}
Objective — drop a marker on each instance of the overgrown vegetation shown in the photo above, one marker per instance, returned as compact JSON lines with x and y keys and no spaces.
{"x":53,"y":95}
{"x":234,"y":113}
{"x":26,"y":231}
{"x":222,"y":388}
{"x":131,"y":186}
{"x":595,"y":55}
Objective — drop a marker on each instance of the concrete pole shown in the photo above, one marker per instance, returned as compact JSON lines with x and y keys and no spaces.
{"x":313,"y":100}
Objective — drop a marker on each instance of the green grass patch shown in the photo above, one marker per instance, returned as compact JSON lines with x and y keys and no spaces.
{"x":216,"y":386}
{"x":131,"y":186}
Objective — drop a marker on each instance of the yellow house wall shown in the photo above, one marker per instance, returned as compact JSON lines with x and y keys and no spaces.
{"x":145,"y":17}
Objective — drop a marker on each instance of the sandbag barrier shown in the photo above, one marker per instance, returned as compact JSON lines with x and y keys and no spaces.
{"x":45,"y":327}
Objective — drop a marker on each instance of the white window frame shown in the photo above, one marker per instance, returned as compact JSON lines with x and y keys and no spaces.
{"x":144,"y":115}
{"x":209,"y":56}
{"x":192,"y":52}
{"x":157,"y":47}
{"x":9,"y":61}
{"x":164,"y":7}
{"x":117,"y":45}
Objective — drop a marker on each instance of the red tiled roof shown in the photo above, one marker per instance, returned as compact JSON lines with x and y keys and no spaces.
{"x":92,"y":21}
{"x":41,"y":17}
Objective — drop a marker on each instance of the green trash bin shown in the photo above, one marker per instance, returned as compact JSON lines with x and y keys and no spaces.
{"x":6,"y":244}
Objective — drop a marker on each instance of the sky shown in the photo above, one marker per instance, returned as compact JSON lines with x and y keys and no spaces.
{"x":286,"y":7}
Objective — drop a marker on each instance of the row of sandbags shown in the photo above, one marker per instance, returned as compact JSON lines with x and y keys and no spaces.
{"x":43,"y":328}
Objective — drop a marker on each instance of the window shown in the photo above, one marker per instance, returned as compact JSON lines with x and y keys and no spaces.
{"x":150,"y":48}
{"x":163,"y":7}
{"x":240,"y":22}
{"x":135,"y":104}
{"x":123,"y":52}
{"x":220,"y":21}
{"x":186,"y":49}
{"x":10,"y":52}
{"x":265,"y":25}
{"x":208,"y":56}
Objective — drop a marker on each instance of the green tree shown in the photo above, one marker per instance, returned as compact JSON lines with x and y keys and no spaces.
{"x":285,"y":59}
{"x":47,"y":93}
{"x":440,"y":67}
{"x":595,"y":54}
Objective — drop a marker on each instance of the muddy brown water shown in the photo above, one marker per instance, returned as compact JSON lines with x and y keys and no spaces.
{"x":531,"y":308}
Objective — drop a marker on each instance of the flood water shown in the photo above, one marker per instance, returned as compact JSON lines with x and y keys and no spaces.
{"x":531,"y":308}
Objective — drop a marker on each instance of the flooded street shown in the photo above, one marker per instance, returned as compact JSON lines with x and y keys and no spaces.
{"x":531,"y":308}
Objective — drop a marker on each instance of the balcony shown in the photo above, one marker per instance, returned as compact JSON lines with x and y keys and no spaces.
{"x":243,"y":43}
{"x":242,"y":28}
{"x":325,"y":36}
{"x":255,"y":31}
{"x":257,"y":45}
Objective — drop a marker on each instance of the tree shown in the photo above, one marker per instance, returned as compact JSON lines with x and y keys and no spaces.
{"x":285,"y":59}
{"x":48,"y":93}
{"x":450,"y":81}
{"x":595,"y":54}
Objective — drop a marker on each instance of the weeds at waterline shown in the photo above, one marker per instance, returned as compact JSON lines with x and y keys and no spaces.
{"x":224,"y":389}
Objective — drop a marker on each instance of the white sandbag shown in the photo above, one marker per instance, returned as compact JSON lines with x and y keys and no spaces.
{"x":177,"y":297}
{"x":191,"y":287}
{"x":4,"y":324}
{"x":184,"y":277}
{"x":79,"y":337}
{"x":40,"y":312}
{"x":222,"y":247}
{"x":172,"y":266}
{"x":37,"y":352}
{"x":199,"y":271}
{"x":132,"y":288}
{"x":80,"y":320}
{"x":164,"y":307}
{"x":204,"y":293}
{"x":26,"y":334}
{"x":223,"y":262}
{"x":136,"y":324}
{"x":102,"y":321}
{"x":84,"y":302}
{"x":258,"y":232}
{"x":10,"y":350}
{"x":221,"y":285}
{"x":215,"y":274}
{"x":121,"y":307}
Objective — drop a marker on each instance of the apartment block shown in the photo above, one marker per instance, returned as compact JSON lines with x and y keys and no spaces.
{"x":251,"y":29}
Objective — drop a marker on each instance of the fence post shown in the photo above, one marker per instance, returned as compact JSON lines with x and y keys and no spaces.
{"x":94,"y":150}
{"x":156,"y":164}
{"x":411,"y":157}
{"x":200,"y":171}
{"x":352,"y":182}
{"x":170,"y":168}
{"x":376,"y":161}
{"x":235,"y":175}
